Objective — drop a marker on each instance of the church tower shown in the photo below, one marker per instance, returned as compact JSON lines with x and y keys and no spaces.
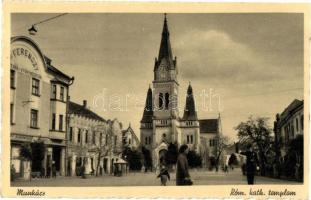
{"x":165,"y":92}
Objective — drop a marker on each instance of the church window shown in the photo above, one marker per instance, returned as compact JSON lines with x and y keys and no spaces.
{"x":161,"y":101}
{"x":191,"y":139}
{"x":188,"y":139}
{"x":167,"y":100}
{"x":146,"y":140}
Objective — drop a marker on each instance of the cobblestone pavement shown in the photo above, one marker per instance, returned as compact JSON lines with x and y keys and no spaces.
{"x":149,"y":179}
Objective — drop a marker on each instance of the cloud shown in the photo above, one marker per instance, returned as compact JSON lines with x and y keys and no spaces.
{"x":214,"y":55}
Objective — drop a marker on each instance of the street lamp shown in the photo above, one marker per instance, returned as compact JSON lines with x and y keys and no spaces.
{"x":32,"y":30}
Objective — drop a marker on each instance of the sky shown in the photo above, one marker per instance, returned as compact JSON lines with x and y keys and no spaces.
{"x":238,"y":64}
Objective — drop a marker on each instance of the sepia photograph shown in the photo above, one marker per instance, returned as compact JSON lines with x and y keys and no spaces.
{"x":125,"y":99}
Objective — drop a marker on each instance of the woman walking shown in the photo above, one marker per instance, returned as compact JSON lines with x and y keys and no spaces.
{"x":182,"y":174}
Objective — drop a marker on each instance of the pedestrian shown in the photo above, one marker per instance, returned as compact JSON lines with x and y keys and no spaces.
{"x":53,"y":171}
{"x":251,"y":163}
{"x":42,"y":172}
{"x":13,"y":172}
{"x":182,"y":174}
{"x":163,"y":175}
{"x":48,"y":172}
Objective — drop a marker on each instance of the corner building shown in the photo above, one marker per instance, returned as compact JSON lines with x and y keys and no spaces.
{"x":38,"y":106}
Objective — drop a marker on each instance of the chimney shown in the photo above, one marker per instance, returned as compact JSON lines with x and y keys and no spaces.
{"x":84,"y":103}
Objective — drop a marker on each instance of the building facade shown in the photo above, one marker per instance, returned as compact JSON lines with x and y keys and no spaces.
{"x":93,"y":142}
{"x":210,"y":131}
{"x":130,"y":139}
{"x":161,"y":123}
{"x":289,"y":124}
{"x":38,"y":106}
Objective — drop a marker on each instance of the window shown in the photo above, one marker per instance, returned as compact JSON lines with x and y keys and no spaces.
{"x":61,"y":96}
{"x":34,"y":119}
{"x":79,"y":135}
{"x":60,"y":122}
{"x":53,"y":91}
{"x":160,"y":101}
{"x":146,"y":140}
{"x":191,"y":139}
{"x":70,"y":134}
{"x":12,"y":81}
{"x":12,"y":113}
{"x":86,"y":136}
{"x":93,"y":137}
{"x":130,"y":141}
{"x":301,"y":122}
{"x":297,"y":128}
{"x":35,"y":86}
{"x":53,"y":121}
{"x":167,"y":100}
{"x":106,"y":140}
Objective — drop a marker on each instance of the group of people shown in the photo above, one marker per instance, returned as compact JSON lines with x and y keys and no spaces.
{"x":182,"y":172}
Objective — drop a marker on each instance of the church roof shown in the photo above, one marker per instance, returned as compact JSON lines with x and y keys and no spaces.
{"x":82,"y":111}
{"x":148,"y":112}
{"x":190,"y":112}
{"x":165,"y":52}
{"x":209,"y":125}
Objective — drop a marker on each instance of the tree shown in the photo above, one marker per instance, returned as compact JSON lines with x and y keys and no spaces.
{"x":26,"y":154}
{"x":37,"y":149}
{"x":194,"y":159}
{"x":293,"y":164}
{"x":103,"y":149}
{"x":171,"y":155}
{"x":147,"y":158}
{"x":256,"y":131}
{"x":221,"y":143}
{"x":233,"y":160}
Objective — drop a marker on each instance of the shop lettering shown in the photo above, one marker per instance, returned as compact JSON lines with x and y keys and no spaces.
{"x":24,"y":52}
{"x":24,"y":71}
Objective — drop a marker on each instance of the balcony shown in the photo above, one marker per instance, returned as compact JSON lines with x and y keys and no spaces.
{"x":60,"y":135}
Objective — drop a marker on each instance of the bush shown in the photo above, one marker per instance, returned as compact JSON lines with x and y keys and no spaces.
{"x":194,"y":159}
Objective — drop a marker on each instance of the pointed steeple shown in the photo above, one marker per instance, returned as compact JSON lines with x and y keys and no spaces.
{"x":165,"y":51}
{"x":190,"y":112}
{"x":165,"y":47}
{"x":148,"y":112}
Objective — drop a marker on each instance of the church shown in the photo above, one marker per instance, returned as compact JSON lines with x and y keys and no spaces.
{"x":161,"y":123}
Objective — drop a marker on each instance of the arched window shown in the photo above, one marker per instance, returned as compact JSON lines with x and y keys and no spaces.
{"x":161,"y":101}
{"x":167,"y":100}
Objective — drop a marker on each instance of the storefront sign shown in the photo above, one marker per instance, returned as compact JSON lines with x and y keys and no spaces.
{"x":17,"y":52}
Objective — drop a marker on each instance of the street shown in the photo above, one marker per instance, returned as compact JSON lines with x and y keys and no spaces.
{"x":149,"y":179}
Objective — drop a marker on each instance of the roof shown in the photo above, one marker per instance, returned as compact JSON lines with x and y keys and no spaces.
{"x":165,"y":52}
{"x":82,"y":111}
{"x":189,"y":112}
{"x":129,"y":129}
{"x":291,"y":107}
{"x":54,"y":69}
{"x":46,"y":60}
{"x":148,"y":112}
{"x":209,"y":125}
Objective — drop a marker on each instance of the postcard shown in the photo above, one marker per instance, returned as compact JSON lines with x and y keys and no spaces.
{"x":172,"y":100}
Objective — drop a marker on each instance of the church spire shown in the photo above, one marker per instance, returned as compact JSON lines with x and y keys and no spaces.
{"x":165,"y":47}
{"x":148,"y":112}
{"x":190,"y":113}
